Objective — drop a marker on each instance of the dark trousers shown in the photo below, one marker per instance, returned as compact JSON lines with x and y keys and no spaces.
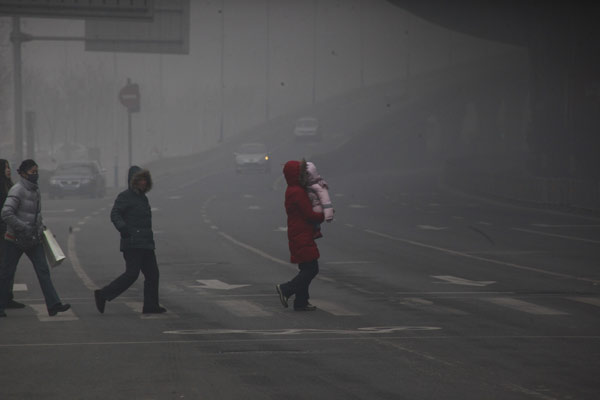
{"x":11,"y":295}
{"x":299,"y":284}
{"x":136,"y":260}
{"x":8,"y":266}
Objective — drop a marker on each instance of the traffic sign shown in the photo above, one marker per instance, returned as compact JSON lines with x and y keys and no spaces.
{"x":129,"y":96}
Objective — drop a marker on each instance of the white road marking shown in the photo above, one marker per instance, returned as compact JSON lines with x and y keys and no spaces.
{"x":485,"y":223}
{"x":87,"y":281}
{"x":254,"y":208}
{"x":489,"y":260}
{"x":432,"y":228}
{"x":81,"y":223}
{"x":67,"y":210}
{"x":357,"y":206}
{"x":348,"y":262}
{"x":42,"y":314}
{"x":154,"y":209}
{"x":300,"y":331}
{"x":138,"y":306}
{"x":216,"y":284}
{"x":557,"y":235}
{"x":524,"y":306}
{"x":243,"y":308}
{"x":174,"y":197}
{"x":334,"y":309}
{"x":454,"y":280}
{"x":595,"y":301}
{"x":565,"y":226}
{"x":419,"y":303}
{"x":349,"y":225}
{"x":19,"y":287}
{"x":255,"y":250}
{"x":76,"y":229}
{"x":214,"y":227}
{"x":281,"y":229}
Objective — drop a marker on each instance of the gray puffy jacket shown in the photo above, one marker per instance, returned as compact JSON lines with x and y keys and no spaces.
{"x":22,"y":214}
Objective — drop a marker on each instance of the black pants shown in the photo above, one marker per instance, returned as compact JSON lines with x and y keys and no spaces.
{"x":299,"y":285}
{"x":136,"y":260}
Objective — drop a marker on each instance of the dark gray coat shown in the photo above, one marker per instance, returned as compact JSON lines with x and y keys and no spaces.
{"x":131,"y":214}
{"x":22,"y":214}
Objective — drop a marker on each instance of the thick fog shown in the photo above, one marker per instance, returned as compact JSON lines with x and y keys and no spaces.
{"x":466,"y":101}
{"x":279,"y":58}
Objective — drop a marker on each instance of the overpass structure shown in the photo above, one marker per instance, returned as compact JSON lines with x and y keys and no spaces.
{"x":563,"y":43}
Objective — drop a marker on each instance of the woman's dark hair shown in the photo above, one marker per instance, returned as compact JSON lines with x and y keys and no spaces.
{"x":26,"y":165}
{"x":5,"y":183}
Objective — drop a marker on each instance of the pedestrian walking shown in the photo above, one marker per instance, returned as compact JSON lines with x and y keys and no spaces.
{"x":300,"y":230}
{"x":132,"y":216}
{"x":5,"y":184}
{"x":23,"y":217}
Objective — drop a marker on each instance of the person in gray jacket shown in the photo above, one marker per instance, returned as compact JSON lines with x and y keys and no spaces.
{"x":132,"y":217}
{"x":22,"y":214}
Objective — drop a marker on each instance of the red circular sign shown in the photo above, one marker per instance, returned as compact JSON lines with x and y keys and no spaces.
{"x":129,"y":96}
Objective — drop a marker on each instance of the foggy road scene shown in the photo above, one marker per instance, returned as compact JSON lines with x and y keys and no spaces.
{"x":451,"y":238}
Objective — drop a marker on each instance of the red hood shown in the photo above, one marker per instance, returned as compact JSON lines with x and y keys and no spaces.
{"x":291,"y":171}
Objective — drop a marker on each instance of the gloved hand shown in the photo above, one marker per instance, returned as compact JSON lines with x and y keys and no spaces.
{"x":124,"y":233}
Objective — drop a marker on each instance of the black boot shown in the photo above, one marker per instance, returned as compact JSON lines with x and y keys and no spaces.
{"x":60,"y":307}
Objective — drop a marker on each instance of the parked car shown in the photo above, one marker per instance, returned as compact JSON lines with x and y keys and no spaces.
{"x":252,"y":157}
{"x":84,"y":178}
{"x":307,"y":128}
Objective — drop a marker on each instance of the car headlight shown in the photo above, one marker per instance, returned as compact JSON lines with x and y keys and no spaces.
{"x":266,"y":158}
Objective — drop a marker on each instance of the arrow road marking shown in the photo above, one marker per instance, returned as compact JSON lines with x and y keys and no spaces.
{"x":461,"y":281}
{"x":216,"y":284}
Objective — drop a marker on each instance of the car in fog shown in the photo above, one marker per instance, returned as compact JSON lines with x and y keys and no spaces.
{"x":252,"y":157}
{"x":83,"y":178}
{"x":307,"y":128}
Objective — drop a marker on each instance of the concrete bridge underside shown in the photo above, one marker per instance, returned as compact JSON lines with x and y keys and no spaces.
{"x":562,"y":39}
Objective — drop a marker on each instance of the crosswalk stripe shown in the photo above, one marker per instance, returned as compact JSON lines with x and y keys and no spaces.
{"x":524,"y":306}
{"x":243,"y":308}
{"x":42,"y":314}
{"x":137,"y":306}
{"x":419,"y":303}
{"x":334,"y":309}
{"x":19,"y":287}
{"x":595,"y":301}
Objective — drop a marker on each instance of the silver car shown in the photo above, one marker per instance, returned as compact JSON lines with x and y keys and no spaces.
{"x":307,"y":128}
{"x":252,"y":157}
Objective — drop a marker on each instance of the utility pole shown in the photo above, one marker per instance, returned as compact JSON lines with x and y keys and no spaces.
{"x":222,"y":83}
{"x":17,"y":37}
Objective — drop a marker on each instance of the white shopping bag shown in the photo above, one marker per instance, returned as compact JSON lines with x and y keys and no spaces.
{"x":54,"y":253}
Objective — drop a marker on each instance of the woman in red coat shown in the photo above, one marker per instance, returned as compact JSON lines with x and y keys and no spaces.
{"x":303,"y":249}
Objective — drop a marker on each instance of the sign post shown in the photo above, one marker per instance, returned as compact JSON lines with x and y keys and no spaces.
{"x":129,"y":96}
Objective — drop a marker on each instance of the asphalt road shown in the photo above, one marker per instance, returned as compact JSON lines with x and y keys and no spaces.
{"x":423,"y":293}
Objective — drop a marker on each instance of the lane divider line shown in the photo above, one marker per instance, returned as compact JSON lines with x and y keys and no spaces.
{"x":87,"y":281}
{"x":478,"y":258}
{"x":579,"y":239}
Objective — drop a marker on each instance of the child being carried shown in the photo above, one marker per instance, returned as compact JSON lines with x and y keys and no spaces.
{"x":318,"y":193}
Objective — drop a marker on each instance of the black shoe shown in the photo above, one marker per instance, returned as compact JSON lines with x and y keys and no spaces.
{"x":282,"y":298}
{"x":100,"y":301}
{"x":307,"y":307}
{"x":2,"y":314}
{"x":15,"y":304}
{"x":158,"y":310}
{"x":60,"y":307}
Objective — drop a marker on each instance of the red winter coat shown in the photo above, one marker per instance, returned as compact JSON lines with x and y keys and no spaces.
{"x":300,"y":217}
